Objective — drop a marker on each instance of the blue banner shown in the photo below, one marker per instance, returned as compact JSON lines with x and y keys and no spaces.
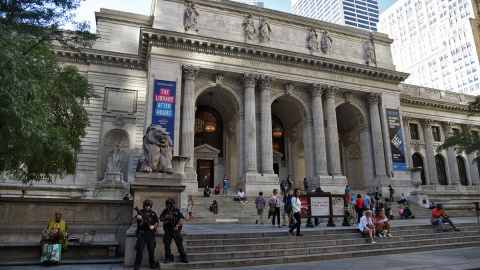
{"x":163,"y":114}
{"x":396,"y":140}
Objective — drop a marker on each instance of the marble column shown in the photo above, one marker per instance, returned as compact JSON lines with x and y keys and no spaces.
{"x":188,"y":114}
{"x":377,"y":138}
{"x":471,"y":163}
{"x":430,"y":152}
{"x":266,"y":82}
{"x":406,"y":140}
{"x":318,"y":131}
{"x":451,"y":155}
{"x":249,"y":81}
{"x":332,"y":145}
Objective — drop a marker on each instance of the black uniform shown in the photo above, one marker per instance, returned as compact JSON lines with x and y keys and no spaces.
{"x":168,"y":227}
{"x":146,"y":237}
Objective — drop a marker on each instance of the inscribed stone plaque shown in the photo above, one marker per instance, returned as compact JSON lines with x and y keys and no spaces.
{"x":120,"y":100}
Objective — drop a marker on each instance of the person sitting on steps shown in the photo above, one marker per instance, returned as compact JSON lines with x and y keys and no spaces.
{"x":217,"y":190}
{"x":403,"y":200}
{"x":405,"y":213}
{"x":366,"y":226}
{"x":439,"y":216}
{"x":206,"y":192}
{"x":241,"y":196}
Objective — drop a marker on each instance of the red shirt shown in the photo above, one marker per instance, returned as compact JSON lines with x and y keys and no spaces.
{"x":217,"y":188}
{"x":359,"y":203}
{"x":437,"y":212}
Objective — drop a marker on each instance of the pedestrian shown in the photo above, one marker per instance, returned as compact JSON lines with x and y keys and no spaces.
{"x":147,"y":223}
{"x":260,"y":204}
{"x":367,"y":202}
{"x":296,"y":208}
{"x":172,"y":220}
{"x":305,"y":184}
{"x":190,"y":208}
{"x":277,"y":203}
{"x":391,"y":192}
{"x":347,"y":193}
{"x":24,"y":193}
{"x":287,"y":208}
{"x":388,"y":208}
{"x":225,"y":185}
{"x":359,"y":207}
{"x":282,"y":187}
{"x":127,"y":197}
{"x":289,"y":182}
{"x":215,"y":207}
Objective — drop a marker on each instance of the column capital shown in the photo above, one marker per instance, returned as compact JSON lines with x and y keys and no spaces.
{"x":316,"y":90}
{"x":266,"y":81}
{"x":447,"y":125}
{"x":406,"y":119}
{"x":190,"y":71}
{"x":249,"y":79}
{"x":426,"y":122}
{"x":373,"y":98}
{"x":330,"y":90}
{"x":468,"y":126}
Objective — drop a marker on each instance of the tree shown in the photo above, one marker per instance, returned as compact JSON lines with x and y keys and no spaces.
{"x":466,"y":140}
{"x":42,"y":118}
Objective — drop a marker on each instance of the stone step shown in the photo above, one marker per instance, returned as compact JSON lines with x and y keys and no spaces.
{"x":378,"y":249}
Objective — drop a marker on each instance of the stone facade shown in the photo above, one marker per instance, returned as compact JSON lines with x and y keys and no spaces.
{"x":331,"y":107}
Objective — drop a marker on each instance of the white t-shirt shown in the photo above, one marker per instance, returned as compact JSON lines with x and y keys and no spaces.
{"x":296,"y":205}
{"x":241,"y":194}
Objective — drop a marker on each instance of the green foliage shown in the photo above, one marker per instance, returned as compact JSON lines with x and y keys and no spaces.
{"x":42,"y":117}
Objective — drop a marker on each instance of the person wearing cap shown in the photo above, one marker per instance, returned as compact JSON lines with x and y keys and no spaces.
{"x":147,"y":223}
{"x":172,"y":220}
{"x":58,"y":225}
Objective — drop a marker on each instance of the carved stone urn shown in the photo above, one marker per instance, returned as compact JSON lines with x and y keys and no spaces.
{"x":416,"y":180}
{"x":178,"y":163}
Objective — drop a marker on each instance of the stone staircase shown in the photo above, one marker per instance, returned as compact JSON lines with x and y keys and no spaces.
{"x":229,"y":211}
{"x":225,"y":250}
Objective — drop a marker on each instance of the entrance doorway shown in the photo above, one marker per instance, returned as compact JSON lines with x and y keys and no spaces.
{"x":205,"y":173}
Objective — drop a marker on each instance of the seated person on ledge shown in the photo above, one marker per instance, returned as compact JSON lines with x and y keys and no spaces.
{"x":241,"y":195}
{"x":217,"y":190}
{"x":206,"y":192}
{"x":403,"y":199}
{"x":432,"y":205}
{"x":405,"y":213}
{"x":439,"y":216}
{"x":57,"y":232}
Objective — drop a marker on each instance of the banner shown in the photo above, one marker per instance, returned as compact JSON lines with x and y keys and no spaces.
{"x":163,"y":114}
{"x":396,"y":140}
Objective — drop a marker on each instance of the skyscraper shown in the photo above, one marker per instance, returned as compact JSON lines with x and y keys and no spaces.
{"x":358,"y":13}
{"x":253,"y":2}
{"x":434,"y":41}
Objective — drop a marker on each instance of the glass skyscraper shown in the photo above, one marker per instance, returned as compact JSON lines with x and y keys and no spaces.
{"x":363,"y":14}
{"x":253,"y":2}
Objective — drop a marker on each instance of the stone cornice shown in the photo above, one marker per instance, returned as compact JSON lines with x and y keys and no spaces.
{"x":124,"y":18}
{"x":97,"y":57}
{"x":186,"y":42}
{"x":429,"y":103}
{"x":289,"y":18}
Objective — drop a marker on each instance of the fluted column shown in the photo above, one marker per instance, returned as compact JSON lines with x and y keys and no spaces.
{"x":188,"y":114}
{"x":471,"y":163}
{"x":430,"y":152}
{"x":451,"y":155}
{"x":266,"y":119}
{"x":332,"y":145}
{"x":377,"y":138}
{"x":318,"y":131}
{"x":407,"y":144}
{"x":249,"y":81}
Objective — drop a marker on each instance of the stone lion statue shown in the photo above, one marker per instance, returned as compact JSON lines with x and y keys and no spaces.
{"x":157,"y":151}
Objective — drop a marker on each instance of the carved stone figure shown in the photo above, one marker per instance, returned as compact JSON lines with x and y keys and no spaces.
{"x":312,"y":40}
{"x":191,"y":17}
{"x":265,"y":30}
{"x":326,"y":42}
{"x":249,"y":27}
{"x":115,"y":162}
{"x":157,"y":151}
{"x":369,"y":52}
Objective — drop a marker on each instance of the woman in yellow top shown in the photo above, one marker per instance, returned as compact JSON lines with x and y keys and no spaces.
{"x":58,"y":225}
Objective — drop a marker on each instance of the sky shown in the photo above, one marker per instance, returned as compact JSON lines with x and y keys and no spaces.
{"x":88,"y":8}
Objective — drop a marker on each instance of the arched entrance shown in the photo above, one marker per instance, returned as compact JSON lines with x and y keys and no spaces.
{"x":418,"y":162}
{"x":352,"y":134}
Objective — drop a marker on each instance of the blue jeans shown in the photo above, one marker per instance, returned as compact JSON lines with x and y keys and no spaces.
{"x":225,"y":190}
{"x":215,"y":210}
{"x":441,"y":221}
{"x":391,"y":197}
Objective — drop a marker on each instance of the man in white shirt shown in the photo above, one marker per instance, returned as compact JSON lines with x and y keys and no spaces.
{"x":241,"y":195}
{"x":403,"y":199}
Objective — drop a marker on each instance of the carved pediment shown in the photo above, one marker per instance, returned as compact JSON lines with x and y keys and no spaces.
{"x":207,"y":149}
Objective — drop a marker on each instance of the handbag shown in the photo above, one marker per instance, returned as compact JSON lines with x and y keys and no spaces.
{"x":272,"y":209}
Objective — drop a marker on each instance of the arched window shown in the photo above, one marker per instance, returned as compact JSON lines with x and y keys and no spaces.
{"x":418,"y":162}
{"x":462,"y":172}
{"x":215,"y":138}
{"x":441,"y":172}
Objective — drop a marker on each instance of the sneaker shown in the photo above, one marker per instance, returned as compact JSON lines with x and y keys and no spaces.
{"x":291,"y":233}
{"x":279,"y":226}
{"x":299,"y":234}
{"x":274,"y":226}
{"x":380,"y":235}
{"x":246,"y":201}
{"x":444,"y":231}
{"x":457,"y":230}
{"x":373,"y":242}
{"x":413,"y":216}
{"x":389,"y":235}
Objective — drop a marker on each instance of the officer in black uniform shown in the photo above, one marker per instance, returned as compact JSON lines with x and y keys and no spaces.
{"x":172,"y":220}
{"x":147,"y":222}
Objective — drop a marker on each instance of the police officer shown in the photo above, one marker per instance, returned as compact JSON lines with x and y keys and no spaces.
{"x":172,"y":220}
{"x":147,"y":222}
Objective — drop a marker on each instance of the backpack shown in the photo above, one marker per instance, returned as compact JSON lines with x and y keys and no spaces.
{"x":392,"y":191}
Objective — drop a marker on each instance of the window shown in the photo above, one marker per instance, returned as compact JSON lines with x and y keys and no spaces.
{"x":441,"y":172}
{"x":436,"y":133}
{"x":418,"y":162}
{"x":462,"y":173}
{"x":414,"y":132}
